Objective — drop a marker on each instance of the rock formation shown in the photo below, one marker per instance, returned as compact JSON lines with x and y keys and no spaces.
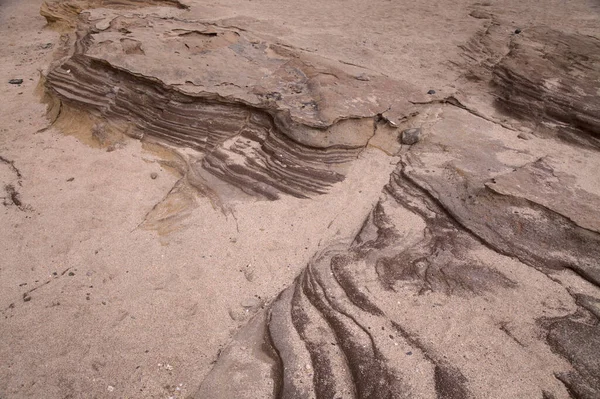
{"x":264,"y":118}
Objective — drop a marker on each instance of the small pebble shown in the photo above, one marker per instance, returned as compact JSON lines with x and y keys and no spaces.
{"x":15,"y":81}
{"x":525,"y":136}
{"x":411,"y":136}
{"x":364,"y":77}
{"x":517,"y":31}
{"x":238,"y":314}
{"x":70,"y":179}
{"x":153,"y":175}
{"x":251,"y":303}
{"x":431,"y":92}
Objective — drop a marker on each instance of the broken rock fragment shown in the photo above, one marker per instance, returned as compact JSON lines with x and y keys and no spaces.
{"x":411,"y":136}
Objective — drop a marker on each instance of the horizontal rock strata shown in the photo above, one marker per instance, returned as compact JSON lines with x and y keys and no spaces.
{"x":266,"y":118}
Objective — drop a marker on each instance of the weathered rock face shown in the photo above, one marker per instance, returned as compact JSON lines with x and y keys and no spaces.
{"x":546,"y":78}
{"x":552,"y":78}
{"x":388,"y":315}
{"x":65,"y":13}
{"x":265,"y":118}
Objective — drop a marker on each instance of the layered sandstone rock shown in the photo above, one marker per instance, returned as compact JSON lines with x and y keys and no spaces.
{"x":265,"y":118}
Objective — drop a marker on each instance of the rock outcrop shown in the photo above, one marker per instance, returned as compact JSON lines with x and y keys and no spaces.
{"x":552,"y":79}
{"x":547,"y":79}
{"x":64,"y":14}
{"x":448,"y":257}
{"x":263,"y":117}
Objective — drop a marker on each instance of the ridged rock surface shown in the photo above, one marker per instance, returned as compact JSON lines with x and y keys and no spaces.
{"x":545,"y":78}
{"x":553,"y":79}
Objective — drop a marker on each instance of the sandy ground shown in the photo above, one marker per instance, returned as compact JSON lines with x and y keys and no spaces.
{"x":92,"y":305}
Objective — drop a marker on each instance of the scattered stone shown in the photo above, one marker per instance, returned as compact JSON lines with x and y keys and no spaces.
{"x":517,"y":31}
{"x":153,"y":175}
{"x":26,"y":297}
{"x":15,"y":81}
{"x":252,"y":303}
{"x":364,"y":77}
{"x":238,"y":314}
{"x":104,"y":24}
{"x":525,"y":136}
{"x":71,"y":274}
{"x":110,"y":388}
{"x":478,"y":14}
{"x":249,"y":272}
{"x":431,"y":91}
{"x":70,"y":179}
{"x":411,"y":136}
{"x":46,"y":46}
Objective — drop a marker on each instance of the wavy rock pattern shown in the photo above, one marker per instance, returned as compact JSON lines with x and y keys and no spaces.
{"x":339,"y":331}
{"x":386,"y":316}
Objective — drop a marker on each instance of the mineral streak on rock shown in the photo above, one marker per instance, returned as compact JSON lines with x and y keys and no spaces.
{"x":267,"y":119}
